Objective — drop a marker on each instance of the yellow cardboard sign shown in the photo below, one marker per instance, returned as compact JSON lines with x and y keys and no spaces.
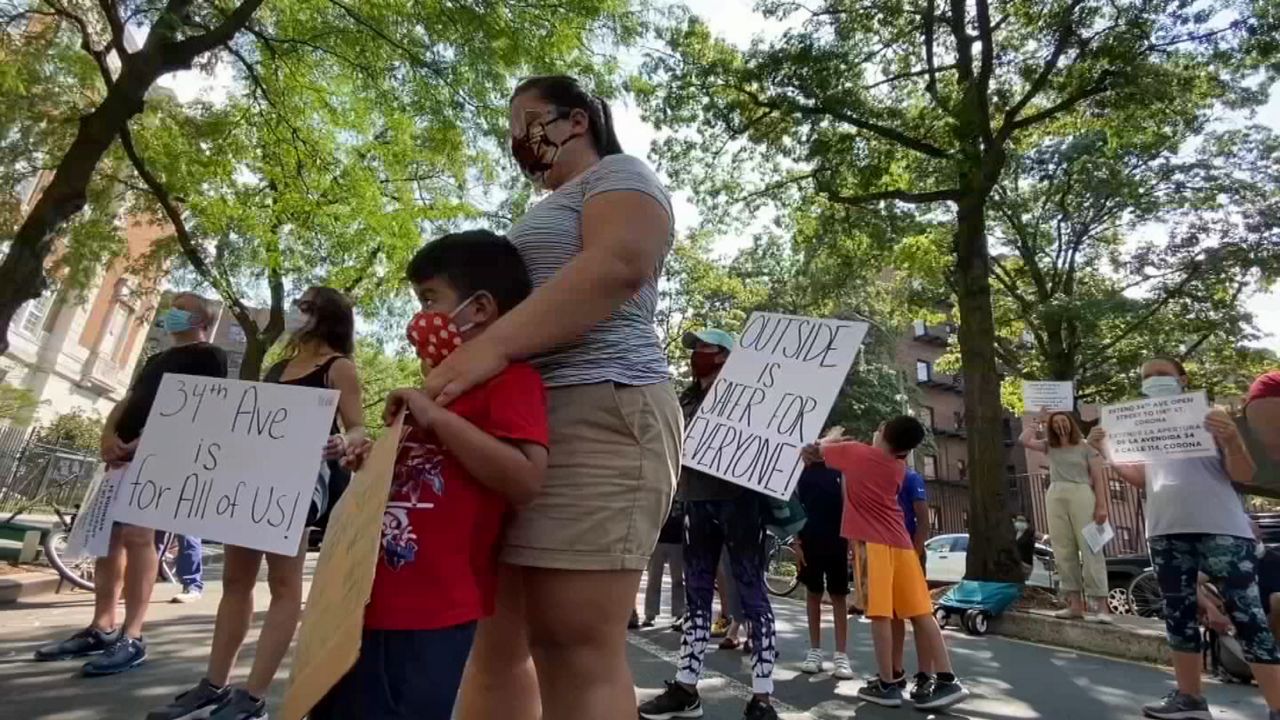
{"x":329,"y":640}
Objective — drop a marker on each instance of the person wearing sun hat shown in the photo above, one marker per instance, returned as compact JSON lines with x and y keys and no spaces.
{"x":718,"y":514}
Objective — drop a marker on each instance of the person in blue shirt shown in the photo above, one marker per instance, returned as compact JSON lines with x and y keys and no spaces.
{"x":824,"y":563}
{"x":915,"y":515}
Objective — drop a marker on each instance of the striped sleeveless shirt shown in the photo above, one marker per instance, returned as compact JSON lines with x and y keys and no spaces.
{"x":623,"y":348}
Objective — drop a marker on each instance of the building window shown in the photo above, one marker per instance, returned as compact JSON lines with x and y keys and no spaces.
{"x":964,"y":522}
{"x":930,"y":466}
{"x":935,"y":519}
{"x":926,"y":417}
{"x":920,"y":328}
{"x":962,"y":470}
{"x":32,"y":317}
{"x":959,"y":418}
{"x":924,"y":371}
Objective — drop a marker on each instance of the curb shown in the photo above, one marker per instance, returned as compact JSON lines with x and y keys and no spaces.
{"x":24,"y":585}
{"x":1123,"y":640}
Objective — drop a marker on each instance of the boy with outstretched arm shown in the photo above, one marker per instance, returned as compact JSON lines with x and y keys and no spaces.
{"x":896,"y":585}
{"x":458,"y":471}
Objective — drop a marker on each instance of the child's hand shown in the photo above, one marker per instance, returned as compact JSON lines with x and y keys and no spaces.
{"x":335,"y":448}
{"x":357,"y":451}
{"x":416,"y":402}
{"x":811,"y":454}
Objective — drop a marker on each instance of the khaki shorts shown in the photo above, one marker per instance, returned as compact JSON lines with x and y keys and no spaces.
{"x":614,"y":460}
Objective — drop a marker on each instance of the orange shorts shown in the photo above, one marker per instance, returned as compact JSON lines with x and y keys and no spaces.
{"x":896,"y":587}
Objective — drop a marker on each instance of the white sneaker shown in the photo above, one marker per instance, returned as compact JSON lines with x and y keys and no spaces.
{"x":843,"y":671}
{"x":812,"y":664}
{"x":1099,"y":618}
{"x":188,"y":595}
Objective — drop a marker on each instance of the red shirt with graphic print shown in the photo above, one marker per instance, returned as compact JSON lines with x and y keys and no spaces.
{"x":438,"y":561}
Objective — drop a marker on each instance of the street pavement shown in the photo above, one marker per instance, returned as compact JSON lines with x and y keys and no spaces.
{"x":1008,"y":679}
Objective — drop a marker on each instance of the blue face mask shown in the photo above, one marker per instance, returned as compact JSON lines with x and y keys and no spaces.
{"x":179,"y":321}
{"x":1161,"y":386}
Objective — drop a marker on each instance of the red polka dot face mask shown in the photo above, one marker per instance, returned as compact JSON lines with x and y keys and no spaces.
{"x":435,"y":335}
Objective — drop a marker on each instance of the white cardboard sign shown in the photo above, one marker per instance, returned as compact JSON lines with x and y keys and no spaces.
{"x":1161,"y":428}
{"x":229,"y":460}
{"x":91,"y":534}
{"x":771,"y":398}
{"x":1052,"y":395}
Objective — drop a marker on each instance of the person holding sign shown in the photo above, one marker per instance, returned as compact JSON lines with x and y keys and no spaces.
{"x":318,"y":355}
{"x":131,"y":560}
{"x":1196,"y":524}
{"x":1077,"y":498}
{"x":594,"y":246}
{"x":719,"y":514}
{"x":458,"y":473}
{"x":896,"y":587}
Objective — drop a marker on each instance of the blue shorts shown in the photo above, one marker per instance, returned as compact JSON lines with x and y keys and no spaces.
{"x":401,"y":675}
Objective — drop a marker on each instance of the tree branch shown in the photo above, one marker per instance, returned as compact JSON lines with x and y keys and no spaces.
{"x":180,"y":54}
{"x":912,"y":198}
{"x":1100,"y":85}
{"x":86,"y":41}
{"x":884,"y":131}
{"x":112,"y":13}
{"x":931,"y":86}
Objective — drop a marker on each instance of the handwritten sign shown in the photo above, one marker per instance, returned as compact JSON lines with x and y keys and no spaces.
{"x":770,"y":399}
{"x":91,"y":534}
{"x":1053,"y":396}
{"x":229,"y":460}
{"x":1162,"y":428}
{"x":329,"y":640}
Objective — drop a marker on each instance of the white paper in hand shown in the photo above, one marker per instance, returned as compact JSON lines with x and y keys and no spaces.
{"x":1097,"y":536}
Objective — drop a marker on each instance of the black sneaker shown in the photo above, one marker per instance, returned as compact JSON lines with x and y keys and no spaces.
{"x":758,"y":710}
{"x":922,"y":688}
{"x":240,"y":705}
{"x":89,"y":641}
{"x":941,"y":695}
{"x":125,"y":653}
{"x":648,"y":622}
{"x":198,"y":702}
{"x":675,"y":702}
{"x":881,"y":693}
{"x":900,"y":682}
{"x":1177,"y":706}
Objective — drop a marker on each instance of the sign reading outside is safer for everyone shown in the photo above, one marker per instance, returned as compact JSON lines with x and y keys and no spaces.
{"x":229,"y":460}
{"x":771,"y":398}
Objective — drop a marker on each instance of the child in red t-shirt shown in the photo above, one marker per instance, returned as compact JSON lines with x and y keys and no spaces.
{"x":896,"y":587}
{"x":458,"y":471}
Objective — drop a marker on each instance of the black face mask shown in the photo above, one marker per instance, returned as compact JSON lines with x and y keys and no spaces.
{"x":536,"y":153}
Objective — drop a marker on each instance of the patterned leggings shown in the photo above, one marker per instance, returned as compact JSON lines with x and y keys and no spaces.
{"x":1230,"y":563}
{"x":737,"y":524}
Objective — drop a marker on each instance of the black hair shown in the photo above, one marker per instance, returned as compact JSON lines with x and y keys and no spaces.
{"x":567,"y":93}
{"x":333,"y":321}
{"x":903,"y":434}
{"x":474,"y":261}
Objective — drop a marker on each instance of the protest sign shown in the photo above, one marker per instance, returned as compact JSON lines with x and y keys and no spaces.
{"x":1053,"y":396}
{"x":770,"y":399}
{"x":229,"y":460}
{"x":329,"y":640}
{"x":90,"y":536}
{"x":1159,"y":428}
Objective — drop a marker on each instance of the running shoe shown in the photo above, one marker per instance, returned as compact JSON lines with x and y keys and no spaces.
{"x":240,"y":705}
{"x":675,"y":702}
{"x":1178,"y":706}
{"x":89,"y":641}
{"x":922,"y":689}
{"x":812,"y":664}
{"x":881,"y":693}
{"x":197,"y":703}
{"x":942,"y":695}
{"x":124,"y":654}
{"x":759,"y":710}
{"x":843,"y":669}
{"x":188,"y":595}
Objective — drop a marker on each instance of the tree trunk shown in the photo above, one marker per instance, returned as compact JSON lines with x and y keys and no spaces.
{"x":255,"y":351}
{"x":991,"y":548}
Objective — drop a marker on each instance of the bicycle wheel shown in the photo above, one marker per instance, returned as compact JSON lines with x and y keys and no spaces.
{"x":166,"y":568}
{"x":782,"y":574}
{"x":1145,"y":597}
{"x":79,"y":572}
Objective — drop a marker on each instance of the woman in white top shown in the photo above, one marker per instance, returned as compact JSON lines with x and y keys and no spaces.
{"x":1077,"y":498}
{"x":1196,"y":524}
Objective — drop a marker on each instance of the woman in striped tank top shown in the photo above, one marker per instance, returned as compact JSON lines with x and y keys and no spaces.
{"x":595,"y":246}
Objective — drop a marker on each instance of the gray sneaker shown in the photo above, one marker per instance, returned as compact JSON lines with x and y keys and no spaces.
{"x":240,"y":705}
{"x":125,"y":653}
{"x":1177,"y":706}
{"x":881,"y":693}
{"x":198,"y":703}
{"x":89,"y":641}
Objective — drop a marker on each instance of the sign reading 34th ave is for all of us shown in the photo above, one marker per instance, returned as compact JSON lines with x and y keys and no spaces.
{"x":229,"y":460}
{"x":771,"y":398}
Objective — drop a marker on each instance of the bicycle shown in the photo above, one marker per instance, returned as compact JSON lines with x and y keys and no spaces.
{"x":1144,"y":595}
{"x":782,"y":569}
{"x":80,"y":572}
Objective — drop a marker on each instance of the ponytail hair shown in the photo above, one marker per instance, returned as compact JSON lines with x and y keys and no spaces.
{"x":567,"y":93}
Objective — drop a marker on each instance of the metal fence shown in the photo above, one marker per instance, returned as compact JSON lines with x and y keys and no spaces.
{"x":949,"y":509}
{"x":35,"y":476}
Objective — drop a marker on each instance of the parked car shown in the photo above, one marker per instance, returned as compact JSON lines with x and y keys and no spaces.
{"x":1121,"y":571}
{"x":945,"y":558}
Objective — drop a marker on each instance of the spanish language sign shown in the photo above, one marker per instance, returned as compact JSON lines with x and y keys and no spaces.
{"x":1054,"y":396}
{"x":771,"y":398}
{"x":229,"y":460}
{"x":1161,"y":428}
{"x":332,"y":626}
